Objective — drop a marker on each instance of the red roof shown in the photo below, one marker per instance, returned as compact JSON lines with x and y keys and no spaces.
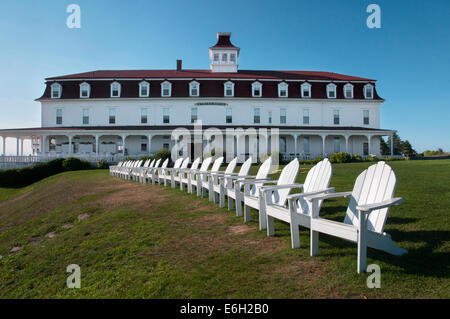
{"x":241,"y":74}
{"x":223,"y":41}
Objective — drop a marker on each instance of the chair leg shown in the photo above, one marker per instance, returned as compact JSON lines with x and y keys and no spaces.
{"x":231,"y":204}
{"x":262,"y":213}
{"x":314,"y":243}
{"x":295,"y":235}
{"x":362,"y":244}
{"x":222,"y":197}
{"x":247,"y":213}
{"x":270,"y":226}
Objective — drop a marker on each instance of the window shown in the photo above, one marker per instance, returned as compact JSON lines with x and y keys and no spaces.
{"x":166,"y":118}
{"x":305,"y":116}
{"x":229,"y":89}
{"x":256,"y":89}
{"x":144,"y":89}
{"x":224,"y":57}
{"x":283,"y":144}
{"x":331,"y":91}
{"x":216,"y":57}
{"x":85,"y":90}
{"x":112,"y":116}
{"x":368,"y":91}
{"x":166,"y":89}
{"x":337,"y":144}
{"x":348,"y":91}
{"x":143,"y":144}
{"x":144,"y":116}
{"x":194,"y":111}
{"x":336,"y":119}
{"x":56,"y":90}
{"x":366,"y":117}
{"x":233,"y":57}
{"x":166,"y":142}
{"x":282,"y":90}
{"x":85,"y":116}
{"x":257,"y":115}
{"x":283,"y":116}
{"x":306,"y":144}
{"x":194,"y":88}
{"x":306,"y":90}
{"x":59,"y":116}
{"x":366,"y":148}
{"x":270,"y":117}
{"x":229,"y":116}
{"x":115,"y":89}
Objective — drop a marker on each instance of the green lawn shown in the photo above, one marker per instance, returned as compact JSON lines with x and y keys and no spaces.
{"x":153,"y":242}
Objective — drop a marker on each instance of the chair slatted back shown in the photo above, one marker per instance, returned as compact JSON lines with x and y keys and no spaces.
{"x":245,"y":167}
{"x":287,"y":176}
{"x":178,"y":162}
{"x":152,"y":163}
{"x":185,"y":163}
{"x":165,"y":163}
{"x":263,"y":171}
{"x":231,"y":166}
{"x":217,"y":163}
{"x":157,"y":163}
{"x":374,"y":185}
{"x":205,"y":164}
{"x":196,"y":163}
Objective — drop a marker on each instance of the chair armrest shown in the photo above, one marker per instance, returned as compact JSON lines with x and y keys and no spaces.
{"x":310,"y":194}
{"x":332,"y":195}
{"x":272,"y":188}
{"x":383,"y":204}
{"x":241,"y":177}
{"x":256,"y":181}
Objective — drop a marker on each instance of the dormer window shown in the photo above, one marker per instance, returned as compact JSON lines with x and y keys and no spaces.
{"x":166,"y":89}
{"x":233,"y":57}
{"x":85,"y":90}
{"x":368,"y":91}
{"x":306,"y":90}
{"x":348,"y":91}
{"x":331,"y":91}
{"x":115,"y":89}
{"x":194,"y":88}
{"x":216,"y":57}
{"x":144,"y":89}
{"x":256,"y":89}
{"x":283,"y":90}
{"x":224,"y":57}
{"x":228,"y":89}
{"x":56,"y":90}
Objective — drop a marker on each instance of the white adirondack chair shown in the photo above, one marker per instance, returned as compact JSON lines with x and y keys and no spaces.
{"x":226,"y":187}
{"x":238,"y":195}
{"x":166,"y":175}
{"x":253,"y":197}
{"x":184,"y":174}
{"x":143,"y":172}
{"x":127,"y":172}
{"x":114,"y":168}
{"x":372,"y":195}
{"x":195,"y":177}
{"x":158,"y":172}
{"x":176,"y":173}
{"x":149,"y":175}
{"x":215,"y":177}
{"x":136,"y":172}
{"x":204,"y":185}
{"x":299,"y":211}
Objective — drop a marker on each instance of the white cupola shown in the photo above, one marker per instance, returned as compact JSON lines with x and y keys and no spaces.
{"x":224,"y":55}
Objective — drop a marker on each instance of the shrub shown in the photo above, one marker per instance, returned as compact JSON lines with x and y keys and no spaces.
{"x":356,"y":158}
{"x":102,"y":164}
{"x":318,"y":159}
{"x":75,"y":164}
{"x":162,"y":153}
{"x":372,"y":158}
{"x":341,"y":157}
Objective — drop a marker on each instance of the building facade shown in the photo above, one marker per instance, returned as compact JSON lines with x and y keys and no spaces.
{"x":117,"y":113}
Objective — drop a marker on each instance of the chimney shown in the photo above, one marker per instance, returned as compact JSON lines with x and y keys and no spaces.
{"x":179,"y":64}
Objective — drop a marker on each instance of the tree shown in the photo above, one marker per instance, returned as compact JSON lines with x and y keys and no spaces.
{"x":397,"y":144}
{"x":384,"y":147}
{"x":407,"y":148}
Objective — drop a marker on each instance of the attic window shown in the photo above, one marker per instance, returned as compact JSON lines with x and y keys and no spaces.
{"x":166,"y":89}
{"x":229,"y":89}
{"x":348,"y":91}
{"x":368,"y":91}
{"x":256,"y":89}
{"x":194,"y":88}
{"x":224,"y":57}
{"x":56,"y":90}
{"x":331,"y":91}
{"x":306,"y":90}
{"x":232,"y":57}
{"x":115,"y":89}
{"x":85,"y":90}
{"x":282,"y":90}
{"x":144,"y":89}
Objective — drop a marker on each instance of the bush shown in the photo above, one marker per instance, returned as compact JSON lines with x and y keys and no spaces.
{"x":162,"y":154}
{"x":341,"y":157}
{"x":75,"y":164}
{"x":372,"y":158}
{"x":318,"y":159}
{"x":356,"y":158}
{"x":102,"y":164}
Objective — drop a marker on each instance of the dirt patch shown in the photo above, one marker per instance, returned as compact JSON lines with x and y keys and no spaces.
{"x":50,"y":235}
{"x":83,"y":217}
{"x":67,"y":226}
{"x":15,"y":249}
{"x":239,"y":229}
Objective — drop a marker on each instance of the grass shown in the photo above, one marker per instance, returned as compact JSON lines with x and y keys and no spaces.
{"x":144,"y":241}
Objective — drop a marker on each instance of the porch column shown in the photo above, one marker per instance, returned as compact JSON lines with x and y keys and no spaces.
{"x":237,"y":148}
{"x":346,"y":143}
{"x":70,"y":144}
{"x":17,"y":144}
{"x":43,"y":138}
{"x":4,"y":145}
{"x":392,"y":145}
{"x":123,"y":144}
{"x":369,"y":138}
{"x":97,"y":140}
{"x":21,"y":146}
{"x":295,"y":144}
{"x":149,"y":146}
{"x":323,"y":144}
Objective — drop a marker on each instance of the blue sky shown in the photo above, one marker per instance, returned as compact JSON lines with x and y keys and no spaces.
{"x":409,"y":55}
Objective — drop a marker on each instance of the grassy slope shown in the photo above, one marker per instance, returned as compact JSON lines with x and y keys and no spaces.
{"x":152,"y":242}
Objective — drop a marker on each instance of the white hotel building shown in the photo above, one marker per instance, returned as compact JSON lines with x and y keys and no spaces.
{"x":117,"y":113}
